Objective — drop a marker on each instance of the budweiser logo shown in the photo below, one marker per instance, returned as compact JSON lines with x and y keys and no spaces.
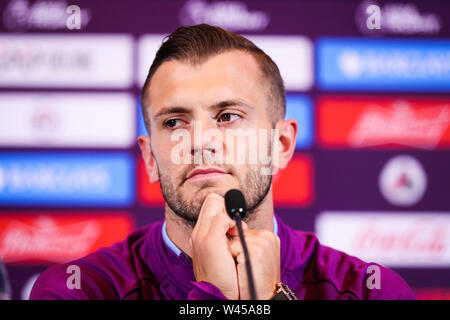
{"x":44,"y":239}
{"x":400,"y":124}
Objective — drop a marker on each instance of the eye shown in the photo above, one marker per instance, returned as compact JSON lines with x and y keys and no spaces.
{"x":172,"y":123}
{"x":228,"y":117}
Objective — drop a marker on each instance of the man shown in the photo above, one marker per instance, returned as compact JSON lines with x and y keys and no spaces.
{"x":208,"y":80}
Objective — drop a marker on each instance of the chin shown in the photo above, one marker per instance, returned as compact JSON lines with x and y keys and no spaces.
{"x":204,"y":190}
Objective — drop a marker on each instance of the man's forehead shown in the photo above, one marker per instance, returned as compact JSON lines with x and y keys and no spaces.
{"x":233,"y":74}
{"x":229,"y":62}
{"x":235,"y":57}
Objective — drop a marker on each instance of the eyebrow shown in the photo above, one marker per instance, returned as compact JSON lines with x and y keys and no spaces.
{"x":230,"y":103}
{"x":171,"y":110}
{"x":218,"y":105}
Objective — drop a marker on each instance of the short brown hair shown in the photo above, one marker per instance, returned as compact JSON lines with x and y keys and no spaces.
{"x":197,"y":43}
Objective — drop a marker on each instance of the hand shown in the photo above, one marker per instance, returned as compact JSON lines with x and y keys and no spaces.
{"x":264,"y":251}
{"x":211,"y":259}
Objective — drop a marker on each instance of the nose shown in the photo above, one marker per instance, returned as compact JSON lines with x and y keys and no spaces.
{"x":207,"y":138}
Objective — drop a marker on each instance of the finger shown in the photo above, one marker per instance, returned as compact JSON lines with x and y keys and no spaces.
{"x":262,"y":234}
{"x":212,"y":205}
{"x":219,"y":227}
{"x":236,"y":249}
{"x":234,"y":231}
{"x":213,"y":222}
{"x":245,"y":230}
{"x":237,"y":252}
{"x":258,"y":242}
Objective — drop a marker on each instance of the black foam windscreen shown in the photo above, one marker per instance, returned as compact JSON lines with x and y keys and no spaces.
{"x":235,"y":203}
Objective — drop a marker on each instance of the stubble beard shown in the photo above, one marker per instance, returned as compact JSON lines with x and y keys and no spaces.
{"x":254,"y":187}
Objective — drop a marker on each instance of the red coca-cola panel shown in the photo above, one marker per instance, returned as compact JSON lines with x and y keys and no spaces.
{"x":372,"y":122}
{"x":40,"y":237}
{"x":432,"y":293}
{"x":148,"y":193}
{"x":294,"y":185}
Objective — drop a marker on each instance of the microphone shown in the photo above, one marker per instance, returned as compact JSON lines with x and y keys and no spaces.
{"x":236,"y":209}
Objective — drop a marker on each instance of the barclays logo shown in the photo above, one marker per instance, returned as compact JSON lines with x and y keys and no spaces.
{"x":66,"y":179}
{"x":2,"y":179}
{"x":374,"y":64}
{"x":350,"y":63}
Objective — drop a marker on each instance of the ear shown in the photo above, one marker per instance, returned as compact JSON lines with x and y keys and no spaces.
{"x":149,"y":159}
{"x":286,"y":141}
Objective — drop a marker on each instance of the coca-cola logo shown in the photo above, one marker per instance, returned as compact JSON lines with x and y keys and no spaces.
{"x":422,"y":237}
{"x":402,"y":239}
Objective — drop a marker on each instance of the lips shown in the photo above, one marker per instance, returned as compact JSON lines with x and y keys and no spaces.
{"x":205,"y":172}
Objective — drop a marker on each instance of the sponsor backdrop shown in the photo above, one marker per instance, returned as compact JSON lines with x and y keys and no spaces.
{"x":369,"y":87}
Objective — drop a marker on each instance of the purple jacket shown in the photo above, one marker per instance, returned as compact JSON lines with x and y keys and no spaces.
{"x":144,"y":267}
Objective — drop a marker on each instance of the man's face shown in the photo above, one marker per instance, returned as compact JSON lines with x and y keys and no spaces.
{"x":225,"y":92}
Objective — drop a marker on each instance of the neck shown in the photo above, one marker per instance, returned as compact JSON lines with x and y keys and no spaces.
{"x":180,"y":232}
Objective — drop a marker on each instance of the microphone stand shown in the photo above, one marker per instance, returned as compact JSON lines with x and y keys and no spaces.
{"x":248,"y":266}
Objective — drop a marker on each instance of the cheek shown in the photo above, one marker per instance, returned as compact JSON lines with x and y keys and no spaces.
{"x":241,"y":172}
{"x":162,"y":148}
{"x":169,"y":170}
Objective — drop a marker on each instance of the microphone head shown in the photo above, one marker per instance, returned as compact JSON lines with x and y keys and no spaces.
{"x":235,"y":204}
